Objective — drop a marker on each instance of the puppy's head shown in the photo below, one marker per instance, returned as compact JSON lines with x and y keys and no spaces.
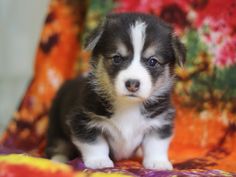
{"x":133,"y":55}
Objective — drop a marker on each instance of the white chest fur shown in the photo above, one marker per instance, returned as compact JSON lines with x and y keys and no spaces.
{"x":129,"y":128}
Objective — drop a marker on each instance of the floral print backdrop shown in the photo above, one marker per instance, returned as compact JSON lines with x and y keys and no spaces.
{"x":205,"y":94}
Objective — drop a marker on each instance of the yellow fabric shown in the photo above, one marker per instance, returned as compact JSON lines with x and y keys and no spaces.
{"x":50,"y":166}
{"x":40,"y":163}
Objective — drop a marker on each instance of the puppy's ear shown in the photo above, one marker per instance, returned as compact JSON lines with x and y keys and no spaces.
{"x":94,"y":37}
{"x":179,"y":50}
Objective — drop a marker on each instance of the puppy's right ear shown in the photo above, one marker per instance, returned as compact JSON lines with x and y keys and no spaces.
{"x":94,"y":37}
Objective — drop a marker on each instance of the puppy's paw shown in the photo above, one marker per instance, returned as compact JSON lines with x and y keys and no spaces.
{"x":157,"y":164}
{"x":97,"y":163}
{"x":59,"y":158}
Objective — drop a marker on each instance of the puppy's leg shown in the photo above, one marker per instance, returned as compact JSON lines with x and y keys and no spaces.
{"x":95,"y":154}
{"x":155,"y":149}
{"x":59,"y":158}
{"x":60,"y":150}
{"x":57,"y":152}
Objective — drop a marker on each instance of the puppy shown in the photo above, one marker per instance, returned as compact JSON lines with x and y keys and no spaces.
{"x":124,"y":103}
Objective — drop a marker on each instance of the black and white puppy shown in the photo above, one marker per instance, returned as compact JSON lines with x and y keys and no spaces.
{"x":124,"y":103}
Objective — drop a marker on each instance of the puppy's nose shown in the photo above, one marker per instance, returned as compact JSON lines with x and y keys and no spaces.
{"x":132,"y":85}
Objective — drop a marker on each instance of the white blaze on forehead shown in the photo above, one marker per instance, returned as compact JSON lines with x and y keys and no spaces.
{"x":137,"y":32}
{"x":135,"y":70}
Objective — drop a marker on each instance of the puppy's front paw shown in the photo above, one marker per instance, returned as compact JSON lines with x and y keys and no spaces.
{"x":97,"y":163}
{"x":157,"y":164}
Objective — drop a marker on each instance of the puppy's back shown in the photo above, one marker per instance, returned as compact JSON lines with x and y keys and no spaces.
{"x":64,"y":100}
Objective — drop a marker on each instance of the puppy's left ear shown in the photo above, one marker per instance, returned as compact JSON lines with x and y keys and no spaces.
{"x":94,"y":37}
{"x":179,"y":50}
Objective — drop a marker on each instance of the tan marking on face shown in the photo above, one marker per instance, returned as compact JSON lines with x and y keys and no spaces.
{"x":103,"y":79}
{"x":160,"y":81}
{"x":150,"y":51}
{"x":163,"y":78}
{"x":122,"y":49}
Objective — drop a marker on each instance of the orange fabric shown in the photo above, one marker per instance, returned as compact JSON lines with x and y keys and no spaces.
{"x":55,"y":62}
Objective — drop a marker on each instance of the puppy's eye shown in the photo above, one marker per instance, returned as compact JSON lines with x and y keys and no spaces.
{"x":117,"y":59}
{"x":152,"y":61}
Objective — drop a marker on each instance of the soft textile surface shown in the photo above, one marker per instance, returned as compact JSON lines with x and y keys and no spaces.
{"x":22,"y":165}
{"x":205,"y":95}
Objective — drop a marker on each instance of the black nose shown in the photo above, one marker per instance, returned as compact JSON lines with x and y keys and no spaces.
{"x":132,"y":85}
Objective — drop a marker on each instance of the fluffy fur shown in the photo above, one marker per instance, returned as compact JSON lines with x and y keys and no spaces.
{"x":124,"y":103}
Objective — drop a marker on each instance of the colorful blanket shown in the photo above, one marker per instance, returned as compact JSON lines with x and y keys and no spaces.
{"x":26,"y":166}
{"x":205,"y":95}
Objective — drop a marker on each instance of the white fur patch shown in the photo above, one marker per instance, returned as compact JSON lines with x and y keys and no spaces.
{"x":59,"y":158}
{"x":127,"y":128}
{"x":131,"y":126}
{"x":135,"y":70}
{"x":137,"y":32}
{"x":60,"y":150}
{"x":96,"y":154}
{"x":156,"y":153}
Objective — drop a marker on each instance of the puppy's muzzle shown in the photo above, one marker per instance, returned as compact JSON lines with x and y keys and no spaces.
{"x":132,"y":85}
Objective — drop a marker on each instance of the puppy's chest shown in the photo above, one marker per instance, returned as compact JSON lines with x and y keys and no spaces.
{"x":129,"y":128}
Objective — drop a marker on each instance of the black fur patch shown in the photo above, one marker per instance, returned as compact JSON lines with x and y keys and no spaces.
{"x":157,"y":107}
{"x":78,"y":122}
{"x":165,"y":131}
{"x":74,"y":96}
